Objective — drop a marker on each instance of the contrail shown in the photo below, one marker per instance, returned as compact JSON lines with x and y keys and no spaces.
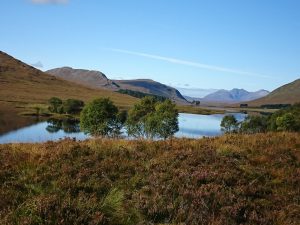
{"x":189,"y":63}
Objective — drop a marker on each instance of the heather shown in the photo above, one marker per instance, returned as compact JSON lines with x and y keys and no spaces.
{"x":233,"y":179}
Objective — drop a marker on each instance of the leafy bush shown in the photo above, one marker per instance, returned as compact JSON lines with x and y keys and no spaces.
{"x":229,"y":124}
{"x":101,"y":117}
{"x":152,"y":119}
{"x":287,"y":119}
{"x":54,"y":104}
{"x":164,"y":120}
{"x":254,"y":124}
{"x":72,"y":106}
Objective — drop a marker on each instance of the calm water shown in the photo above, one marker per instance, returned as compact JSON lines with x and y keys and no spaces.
{"x":190,"y":125}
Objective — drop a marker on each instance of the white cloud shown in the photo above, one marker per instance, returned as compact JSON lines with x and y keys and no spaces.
{"x":49,"y":1}
{"x":189,"y":63}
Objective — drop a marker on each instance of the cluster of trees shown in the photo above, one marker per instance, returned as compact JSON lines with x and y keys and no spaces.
{"x":152,"y":119}
{"x":149,"y":118}
{"x":139,"y":94}
{"x":197,"y":103}
{"x":69,"y":106}
{"x":275,"y":106}
{"x":283,"y":120}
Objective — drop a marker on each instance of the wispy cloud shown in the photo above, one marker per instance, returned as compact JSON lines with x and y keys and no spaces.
{"x":190,"y":63}
{"x":49,"y":1}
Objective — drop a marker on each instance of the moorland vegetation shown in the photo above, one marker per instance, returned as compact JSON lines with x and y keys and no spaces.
{"x":228,"y":180}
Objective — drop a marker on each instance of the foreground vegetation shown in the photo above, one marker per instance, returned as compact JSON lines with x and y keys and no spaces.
{"x":233,"y":179}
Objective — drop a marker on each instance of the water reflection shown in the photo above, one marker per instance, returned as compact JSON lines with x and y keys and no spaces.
{"x":190,"y":125}
{"x":67,"y":125}
{"x":51,"y":130}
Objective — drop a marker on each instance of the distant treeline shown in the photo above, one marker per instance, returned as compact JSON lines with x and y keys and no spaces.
{"x":275,"y":106}
{"x":139,"y":94}
{"x":285,"y":119}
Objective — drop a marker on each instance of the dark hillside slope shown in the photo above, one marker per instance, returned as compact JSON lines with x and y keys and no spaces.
{"x":152,"y":87}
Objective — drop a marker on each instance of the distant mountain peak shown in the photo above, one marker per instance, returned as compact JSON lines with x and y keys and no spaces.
{"x":234,"y":95}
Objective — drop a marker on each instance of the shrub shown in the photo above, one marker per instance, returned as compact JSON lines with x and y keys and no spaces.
{"x":254,"y":124}
{"x":100,"y":117}
{"x":229,"y":124}
{"x":166,"y":119}
{"x":54,"y":104}
{"x":287,"y":122}
{"x":151,"y":119}
{"x":137,"y":117}
{"x":72,"y":106}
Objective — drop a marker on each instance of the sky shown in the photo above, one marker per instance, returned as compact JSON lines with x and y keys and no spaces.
{"x":250,"y":44}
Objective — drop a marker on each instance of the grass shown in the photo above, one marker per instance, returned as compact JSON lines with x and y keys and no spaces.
{"x":286,"y":94}
{"x":198,"y":110}
{"x":233,"y":179}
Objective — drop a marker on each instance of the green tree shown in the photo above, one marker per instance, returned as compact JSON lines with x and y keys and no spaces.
{"x":287,"y":119}
{"x":254,"y":124}
{"x":229,"y":124}
{"x":165,"y":119}
{"x":151,"y":119}
{"x":138,"y":115}
{"x":72,"y":106}
{"x":100,"y":117}
{"x":286,"y":122}
{"x":54,"y":104}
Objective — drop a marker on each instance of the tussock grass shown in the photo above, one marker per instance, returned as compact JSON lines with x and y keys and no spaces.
{"x":233,"y":179}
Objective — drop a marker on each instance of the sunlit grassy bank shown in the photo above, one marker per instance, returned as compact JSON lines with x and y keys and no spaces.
{"x":237,"y":179}
{"x":198,"y":110}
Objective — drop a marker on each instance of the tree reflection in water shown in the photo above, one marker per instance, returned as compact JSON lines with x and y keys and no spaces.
{"x":67,"y":125}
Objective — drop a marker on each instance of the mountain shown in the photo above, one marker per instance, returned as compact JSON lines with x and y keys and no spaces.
{"x":233,"y":96}
{"x":22,"y":84}
{"x":96,"y":79}
{"x":91,"y":78}
{"x":286,"y":94}
{"x":152,"y":87}
{"x":196,"y":93}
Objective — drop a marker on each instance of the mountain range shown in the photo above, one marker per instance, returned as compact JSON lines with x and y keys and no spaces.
{"x":98,"y":80}
{"x":233,"y":96}
{"x":196,"y":93}
{"x":22,"y":83}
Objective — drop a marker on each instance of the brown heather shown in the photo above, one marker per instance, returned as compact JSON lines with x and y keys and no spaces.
{"x":228,"y":180}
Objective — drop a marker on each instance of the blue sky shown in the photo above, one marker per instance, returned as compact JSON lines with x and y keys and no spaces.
{"x":251,"y":44}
